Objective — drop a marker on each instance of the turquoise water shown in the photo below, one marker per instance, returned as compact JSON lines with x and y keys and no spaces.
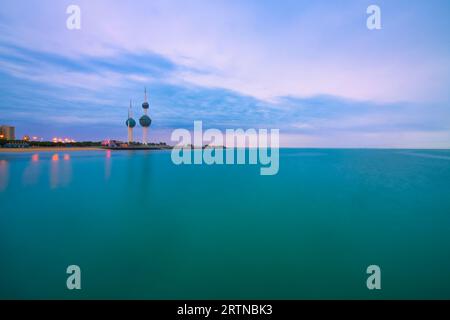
{"x":140,"y":227}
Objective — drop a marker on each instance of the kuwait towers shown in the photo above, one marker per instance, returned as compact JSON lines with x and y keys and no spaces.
{"x":145,"y":120}
{"x":130,"y":124}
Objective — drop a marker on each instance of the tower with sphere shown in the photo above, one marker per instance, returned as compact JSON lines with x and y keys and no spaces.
{"x":145,"y":120}
{"x":130,"y":123}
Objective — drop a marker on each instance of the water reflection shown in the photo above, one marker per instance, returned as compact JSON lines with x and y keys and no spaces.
{"x":144,"y":173}
{"x":107,"y":164}
{"x":66,"y":168}
{"x":4,"y":174}
{"x":60,"y":171}
{"x":130,"y":168}
{"x":54,"y":171}
{"x":32,"y":171}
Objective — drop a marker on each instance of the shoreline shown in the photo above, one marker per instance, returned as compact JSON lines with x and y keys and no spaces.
{"x":71,"y":149}
{"x":49,"y":149}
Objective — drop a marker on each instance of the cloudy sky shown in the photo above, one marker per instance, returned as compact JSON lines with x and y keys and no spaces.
{"x":309,"y":68}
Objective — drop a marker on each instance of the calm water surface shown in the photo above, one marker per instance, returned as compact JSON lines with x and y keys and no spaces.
{"x":141,"y":227}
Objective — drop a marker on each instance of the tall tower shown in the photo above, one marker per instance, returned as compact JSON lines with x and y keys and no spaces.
{"x":130,"y":124}
{"x":145,"y":120}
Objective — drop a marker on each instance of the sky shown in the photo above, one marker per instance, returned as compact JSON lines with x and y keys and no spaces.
{"x":311,"y":69}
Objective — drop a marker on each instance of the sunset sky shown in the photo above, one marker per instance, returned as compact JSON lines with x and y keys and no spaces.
{"x":309,"y":68}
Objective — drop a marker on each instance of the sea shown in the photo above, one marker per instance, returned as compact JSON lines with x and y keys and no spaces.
{"x":140,"y":227}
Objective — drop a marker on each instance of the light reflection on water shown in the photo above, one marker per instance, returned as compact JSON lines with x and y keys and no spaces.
{"x":32,"y":171}
{"x":57,"y":166}
{"x":60,"y":172}
{"x":54,"y":171}
{"x":107,"y":164}
{"x":4,"y":174}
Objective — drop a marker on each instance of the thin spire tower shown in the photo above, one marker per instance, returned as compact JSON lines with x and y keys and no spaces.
{"x":145,"y":120}
{"x":130,"y":124}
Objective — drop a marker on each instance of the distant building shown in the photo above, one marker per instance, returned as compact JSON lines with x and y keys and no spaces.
{"x":145,"y":121}
{"x":131,"y":123}
{"x":16,"y":145}
{"x":7,"y":133}
{"x":112,"y":143}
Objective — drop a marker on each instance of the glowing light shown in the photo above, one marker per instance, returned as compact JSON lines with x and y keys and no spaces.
{"x":55,"y":157}
{"x":63,"y":140}
{"x":66,"y":157}
{"x":35,"y":157}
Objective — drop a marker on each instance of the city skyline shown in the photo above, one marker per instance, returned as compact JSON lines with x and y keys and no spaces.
{"x":311,"y":69}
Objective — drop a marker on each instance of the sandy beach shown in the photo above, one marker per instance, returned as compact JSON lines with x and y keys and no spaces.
{"x":48,"y":149}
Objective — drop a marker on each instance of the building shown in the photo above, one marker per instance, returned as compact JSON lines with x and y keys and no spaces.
{"x":145,"y":120}
{"x":7,"y":132}
{"x":130,"y":123}
{"x":112,"y":143}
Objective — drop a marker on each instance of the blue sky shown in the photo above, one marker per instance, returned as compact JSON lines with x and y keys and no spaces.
{"x":309,"y":68}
